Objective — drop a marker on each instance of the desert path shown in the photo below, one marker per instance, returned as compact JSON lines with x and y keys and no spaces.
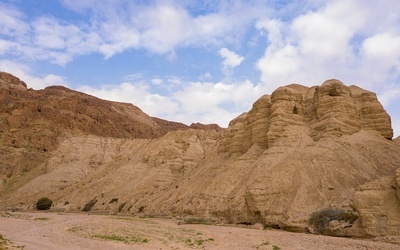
{"x":83,"y":231}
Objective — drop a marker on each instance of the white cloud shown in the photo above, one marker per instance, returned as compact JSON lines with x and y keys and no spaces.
{"x":396,"y":126}
{"x":11,"y":21}
{"x":383,"y":49}
{"x":45,"y":81}
{"x":210,"y":102}
{"x":133,"y":77}
{"x":389,"y":94}
{"x":23,"y":72}
{"x":231,"y":59}
{"x":274,"y":29}
{"x":138,"y":94}
{"x":114,"y":27}
{"x":333,"y":41}
{"x":59,"y":42}
{"x":6,"y":46}
{"x":156,"y":81}
{"x":205,"y":102}
{"x":46,"y":38}
{"x":205,"y":76}
{"x":81,"y":6}
{"x":175,"y":80}
{"x":280,"y":67}
{"x":49,"y":34}
{"x":200,"y":97}
{"x":163,"y":27}
{"x":389,"y":97}
{"x":115,"y":38}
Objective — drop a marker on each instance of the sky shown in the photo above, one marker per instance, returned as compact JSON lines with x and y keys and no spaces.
{"x":202,"y":60}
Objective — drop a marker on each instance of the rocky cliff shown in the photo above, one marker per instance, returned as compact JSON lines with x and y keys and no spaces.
{"x":330,"y":110}
{"x":295,"y":152}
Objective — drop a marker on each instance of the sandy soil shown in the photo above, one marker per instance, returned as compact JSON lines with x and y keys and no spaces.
{"x":84,"y":231}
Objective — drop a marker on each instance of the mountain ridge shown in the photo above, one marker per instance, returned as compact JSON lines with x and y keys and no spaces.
{"x":297,"y":151}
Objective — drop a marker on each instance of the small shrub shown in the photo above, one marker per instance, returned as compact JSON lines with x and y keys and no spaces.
{"x":41,"y":218}
{"x":141,"y":209}
{"x":88,"y":206}
{"x":44,"y":203}
{"x":124,"y":239}
{"x":113,"y":200}
{"x":320,"y":219}
{"x":271,"y":226}
{"x":197,"y":220}
{"x":197,"y":243}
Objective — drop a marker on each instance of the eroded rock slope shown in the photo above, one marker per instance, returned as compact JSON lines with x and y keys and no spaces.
{"x":295,"y":152}
{"x":34,"y":122}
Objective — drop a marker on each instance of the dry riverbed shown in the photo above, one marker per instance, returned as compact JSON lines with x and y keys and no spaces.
{"x":39,"y":230}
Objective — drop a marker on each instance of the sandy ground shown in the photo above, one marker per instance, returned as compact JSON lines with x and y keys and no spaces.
{"x":83,"y":231}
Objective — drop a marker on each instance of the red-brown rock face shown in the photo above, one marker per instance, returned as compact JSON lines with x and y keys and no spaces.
{"x":34,"y":122}
{"x":8,"y":81}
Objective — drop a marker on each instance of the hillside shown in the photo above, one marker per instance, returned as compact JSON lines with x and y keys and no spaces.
{"x":295,"y":152}
{"x":33,"y":123}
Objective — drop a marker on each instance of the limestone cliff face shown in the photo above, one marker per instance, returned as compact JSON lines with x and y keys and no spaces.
{"x":331,"y":109}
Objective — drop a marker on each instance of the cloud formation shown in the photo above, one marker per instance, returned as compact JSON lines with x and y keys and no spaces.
{"x":195,"y":101}
{"x":24,"y":72}
{"x":333,"y":41}
{"x":231,"y":59}
{"x":159,"y":27}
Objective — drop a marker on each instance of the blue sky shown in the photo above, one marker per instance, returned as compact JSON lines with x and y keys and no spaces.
{"x":202,"y":61}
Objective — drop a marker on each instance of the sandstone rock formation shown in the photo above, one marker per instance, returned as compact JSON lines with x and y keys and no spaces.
{"x":296,"y":151}
{"x":332,"y":109}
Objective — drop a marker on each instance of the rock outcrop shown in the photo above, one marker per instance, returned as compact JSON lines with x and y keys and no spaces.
{"x":205,"y":126}
{"x":378,"y":203}
{"x":8,"y":81}
{"x":295,"y":152}
{"x":332,"y":109}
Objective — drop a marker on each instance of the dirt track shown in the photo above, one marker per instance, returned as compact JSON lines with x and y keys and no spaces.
{"x":82,"y":231}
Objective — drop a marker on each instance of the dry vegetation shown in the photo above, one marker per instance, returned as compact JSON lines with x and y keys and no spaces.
{"x":7,"y":244}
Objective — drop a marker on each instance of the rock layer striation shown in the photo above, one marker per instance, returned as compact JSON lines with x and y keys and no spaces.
{"x":332,"y":109}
